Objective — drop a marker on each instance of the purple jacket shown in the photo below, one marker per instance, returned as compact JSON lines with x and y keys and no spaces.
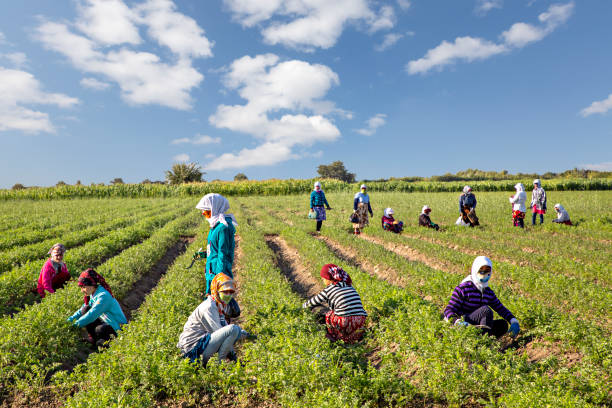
{"x":466,"y":298}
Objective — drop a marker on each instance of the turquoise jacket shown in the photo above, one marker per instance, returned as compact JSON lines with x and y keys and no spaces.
{"x":220,"y":251}
{"x":103,"y":306}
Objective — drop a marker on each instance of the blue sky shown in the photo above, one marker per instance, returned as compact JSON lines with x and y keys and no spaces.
{"x":91,"y":90}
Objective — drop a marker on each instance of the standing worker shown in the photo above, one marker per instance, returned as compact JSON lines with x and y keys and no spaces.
{"x":221,"y":242}
{"x":538,"y":202}
{"x":317,"y":200}
{"x":518,"y":205}
{"x":361,"y":207}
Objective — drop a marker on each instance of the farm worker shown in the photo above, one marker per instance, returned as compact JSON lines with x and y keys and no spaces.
{"x":538,"y":201}
{"x":391,"y":224}
{"x":562,"y":215}
{"x":347,"y":316}
{"x":54,"y":273}
{"x":425,"y":221}
{"x":472,"y":301}
{"x":361,"y":207}
{"x":317,"y":199}
{"x":518,"y":205}
{"x":221,"y":243}
{"x":206,"y":331}
{"x":100,"y":314}
{"x":467,"y":207}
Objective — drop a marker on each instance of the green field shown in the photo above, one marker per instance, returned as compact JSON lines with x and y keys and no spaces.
{"x":556,"y":279}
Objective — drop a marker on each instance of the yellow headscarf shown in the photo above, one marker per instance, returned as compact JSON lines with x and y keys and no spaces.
{"x":220,"y":283}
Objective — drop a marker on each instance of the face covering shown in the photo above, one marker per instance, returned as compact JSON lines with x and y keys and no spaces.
{"x":486,"y":278}
{"x":225,"y":297}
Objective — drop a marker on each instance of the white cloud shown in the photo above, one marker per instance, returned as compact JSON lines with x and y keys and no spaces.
{"x":484,"y":6}
{"x":2,"y":38}
{"x":20,"y":89}
{"x":17,"y":59}
{"x":373,"y":124}
{"x":471,"y":49}
{"x":403,"y":4}
{"x":597,"y":107}
{"x":605,"y":166}
{"x":389,"y":40}
{"x":181,"y":158}
{"x":93,"y":83}
{"x":197,"y":140}
{"x":278,"y":96}
{"x":143,"y":77}
{"x":308,"y":24}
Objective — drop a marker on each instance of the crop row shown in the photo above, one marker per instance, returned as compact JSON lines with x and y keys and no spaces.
{"x":16,"y":285}
{"x":454,"y":365}
{"x":38,"y":340}
{"x":19,"y":256}
{"x":78,"y":218}
{"x":284,"y":187}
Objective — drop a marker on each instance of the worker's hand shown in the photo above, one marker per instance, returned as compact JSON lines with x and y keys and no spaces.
{"x":514,"y":327}
{"x":461,"y":323}
{"x":70,"y":319}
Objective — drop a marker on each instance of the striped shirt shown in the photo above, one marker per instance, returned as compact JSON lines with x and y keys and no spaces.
{"x":343,"y":299}
{"x":467,"y":298}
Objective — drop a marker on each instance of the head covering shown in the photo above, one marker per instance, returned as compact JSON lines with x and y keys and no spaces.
{"x":335,"y":274}
{"x":317,"y":184}
{"x":559,"y":206}
{"x":537,"y":182}
{"x":519,"y":187}
{"x":220,"y":283}
{"x":218,"y":205}
{"x":467,"y":189}
{"x":478,"y":263}
{"x":363,"y":186}
{"x":89,"y":277}
{"x":60,"y":247}
{"x":389,"y":212}
{"x":425,"y":208}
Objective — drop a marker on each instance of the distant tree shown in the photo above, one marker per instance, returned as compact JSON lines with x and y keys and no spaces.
{"x":18,"y":186}
{"x":184,"y":173}
{"x":61,"y":183}
{"x":117,"y":180}
{"x":146,"y":181}
{"x":240,"y":177}
{"x":78,"y":183}
{"x":336,"y":170}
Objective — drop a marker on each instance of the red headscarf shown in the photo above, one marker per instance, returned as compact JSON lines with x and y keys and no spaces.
{"x":89,"y":277}
{"x":335,"y":274}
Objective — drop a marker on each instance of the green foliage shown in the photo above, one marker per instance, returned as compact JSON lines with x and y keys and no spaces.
{"x":337,"y":171}
{"x":184,"y":173}
{"x":117,"y":180}
{"x":18,"y":186}
{"x":240,"y":177}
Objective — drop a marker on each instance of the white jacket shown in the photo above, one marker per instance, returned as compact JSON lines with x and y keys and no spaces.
{"x":518,"y":200}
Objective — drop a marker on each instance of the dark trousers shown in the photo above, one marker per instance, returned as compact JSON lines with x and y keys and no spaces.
{"x":484,"y":316}
{"x":319,"y":223}
{"x":100,"y":332}
{"x":533,"y":218}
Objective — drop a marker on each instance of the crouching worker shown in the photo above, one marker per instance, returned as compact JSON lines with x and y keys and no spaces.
{"x":562,"y":215}
{"x":206,"y":331}
{"x":425,"y":221}
{"x":101,"y":314}
{"x":389,"y":223}
{"x":472,"y":301}
{"x":54,"y":273}
{"x":347,"y":316}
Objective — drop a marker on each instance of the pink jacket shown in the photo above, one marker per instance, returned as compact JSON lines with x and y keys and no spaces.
{"x":47,"y":273}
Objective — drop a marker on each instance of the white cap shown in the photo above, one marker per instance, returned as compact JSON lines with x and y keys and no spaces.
{"x":363,"y":186}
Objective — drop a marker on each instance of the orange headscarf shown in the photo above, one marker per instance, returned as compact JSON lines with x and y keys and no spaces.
{"x":219,"y":283}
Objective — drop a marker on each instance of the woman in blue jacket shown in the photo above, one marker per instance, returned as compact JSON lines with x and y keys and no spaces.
{"x":101,"y":314}
{"x":221,"y":242}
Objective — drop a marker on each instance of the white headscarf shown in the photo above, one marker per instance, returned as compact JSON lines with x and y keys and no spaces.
{"x":467,"y":189}
{"x":537,"y":182}
{"x":218,"y":205}
{"x":560,"y":207}
{"x":363,"y":186}
{"x":519,"y":187}
{"x":317,"y":184}
{"x":478,"y":263}
{"x":388,"y":212}
{"x":425,"y":207}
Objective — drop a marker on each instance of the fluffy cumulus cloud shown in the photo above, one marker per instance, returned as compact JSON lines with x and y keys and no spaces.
{"x":605,"y":166}
{"x":105,"y":41}
{"x":484,"y":6}
{"x":20,"y":90}
{"x":389,"y":40}
{"x":309,"y":24}
{"x":598,"y":107}
{"x":93,"y":83}
{"x":284,"y":108}
{"x":373,"y":124}
{"x":197,"y":140}
{"x":471,"y":49}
